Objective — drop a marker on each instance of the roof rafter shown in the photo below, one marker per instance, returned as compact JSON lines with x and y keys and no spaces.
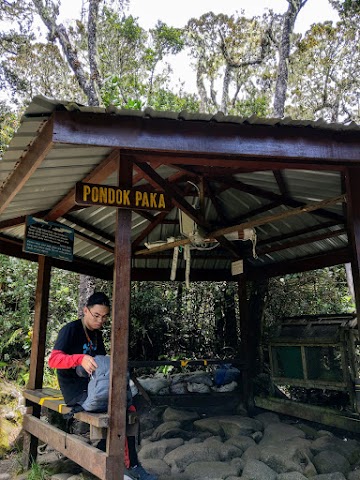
{"x":156,"y":180}
{"x":32,"y":159}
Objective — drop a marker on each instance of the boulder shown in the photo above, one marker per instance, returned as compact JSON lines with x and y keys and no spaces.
{"x":211,"y":450}
{"x":256,"y":470}
{"x":291,"y":476}
{"x":242,"y":442}
{"x":329,"y":461}
{"x":282,"y":460}
{"x":159,"y":449}
{"x":229,"y":426}
{"x":267,"y":418}
{"x":177,"y":415}
{"x":210,"y":470}
{"x":350,"y":449}
{"x":280,"y":432}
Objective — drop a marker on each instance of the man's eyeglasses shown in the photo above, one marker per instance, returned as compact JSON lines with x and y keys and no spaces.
{"x":96,"y":316}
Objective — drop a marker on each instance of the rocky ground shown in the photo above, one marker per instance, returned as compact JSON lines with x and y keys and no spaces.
{"x":193,"y":444}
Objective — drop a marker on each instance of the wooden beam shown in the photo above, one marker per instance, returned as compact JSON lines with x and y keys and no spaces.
{"x":87,"y":456}
{"x":207,"y":162}
{"x":116,"y":435}
{"x":281,"y":182}
{"x":37,"y":357}
{"x":280,"y":216}
{"x":353,"y":211}
{"x":94,"y":241}
{"x":257,"y":211}
{"x":301,"y":241}
{"x":32,"y":159}
{"x":296,"y":233}
{"x":288,"y":143}
{"x":215,"y":201}
{"x":253,"y":223}
{"x":156,"y":180}
{"x":13,"y":248}
{"x":14,"y":222}
{"x":288,"y":201}
{"x":90,"y":228}
{"x":304,"y":264}
{"x":156,"y":221}
{"x":98,"y":174}
{"x":324,"y":415}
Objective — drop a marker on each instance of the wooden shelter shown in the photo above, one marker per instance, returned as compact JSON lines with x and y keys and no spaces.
{"x":295,"y":182}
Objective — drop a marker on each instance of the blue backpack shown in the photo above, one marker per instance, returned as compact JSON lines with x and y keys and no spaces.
{"x":98,"y":387}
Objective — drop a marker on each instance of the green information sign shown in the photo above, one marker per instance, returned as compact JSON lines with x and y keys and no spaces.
{"x":51,"y":239}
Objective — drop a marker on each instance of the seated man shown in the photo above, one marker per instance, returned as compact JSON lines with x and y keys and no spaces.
{"x":77,"y":344}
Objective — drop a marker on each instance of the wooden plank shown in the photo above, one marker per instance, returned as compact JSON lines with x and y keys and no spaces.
{"x":85,"y":455}
{"x":313,"y":413}
{"x":284,"y":145}
{"x":27,"y":166}
{"x":99,"y":420}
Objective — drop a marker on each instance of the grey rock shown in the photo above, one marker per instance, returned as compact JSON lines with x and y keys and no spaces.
{"x":164,"y":427}
{"x":257,"y":436}
{"x":354,"y":475}
{"x":256,"y":470}
{"x":230,"y":426}
{"x":5,"y":476}
{"x":172,"y":414}
{"x":208,"y":451}
{"x":47,"y":458}
{"x":291,"y":476}
{"x":61,"y":476}
{"x":329,"y":476}
{"x":210,"y":470}
{"x":282,"y":432}
{"x":330,"y":461}
{"x":156,"y":466}
{"x":267,"y":418}
{"x":282,"y":460}
{"x":243,"y":442}
{"x":251,"y":453}
{"x":350,"y":449}
{"x":159,"y":449}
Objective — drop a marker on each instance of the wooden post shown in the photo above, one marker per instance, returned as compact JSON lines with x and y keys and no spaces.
{"x":248,"y":397}
{"x":353,"y":210}
{"x":119,"y":334}
{"x":38,"y":349}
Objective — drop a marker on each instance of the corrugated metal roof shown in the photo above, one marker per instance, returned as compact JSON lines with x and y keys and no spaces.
{"x":66,"y":164}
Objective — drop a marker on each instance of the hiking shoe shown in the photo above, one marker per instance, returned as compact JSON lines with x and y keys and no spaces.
{"x":130,"y":475}
{"x":141,"y":473}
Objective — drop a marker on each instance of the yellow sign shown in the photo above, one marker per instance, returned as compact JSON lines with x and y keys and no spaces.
{"x":132,"y":198}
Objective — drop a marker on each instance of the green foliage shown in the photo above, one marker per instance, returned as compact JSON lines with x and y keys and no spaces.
{"x":317,"y":292}
{"x":37,"y":472}
{"x":9,"y":122}
{"x":164,"y":99}
{"x":17,"y":303}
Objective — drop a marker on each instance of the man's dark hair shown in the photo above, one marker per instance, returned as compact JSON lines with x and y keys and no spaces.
{"x":98,"y":298}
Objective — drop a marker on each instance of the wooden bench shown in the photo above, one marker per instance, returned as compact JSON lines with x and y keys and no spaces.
{"x":53,"y":399}
{"x":96,"y":461}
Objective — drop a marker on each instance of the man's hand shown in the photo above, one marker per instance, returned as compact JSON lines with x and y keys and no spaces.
{"x":89,"y":364}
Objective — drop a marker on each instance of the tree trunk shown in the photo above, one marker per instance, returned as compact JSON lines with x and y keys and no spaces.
{"x":86,"y":288}
{"x":284,"y":52}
